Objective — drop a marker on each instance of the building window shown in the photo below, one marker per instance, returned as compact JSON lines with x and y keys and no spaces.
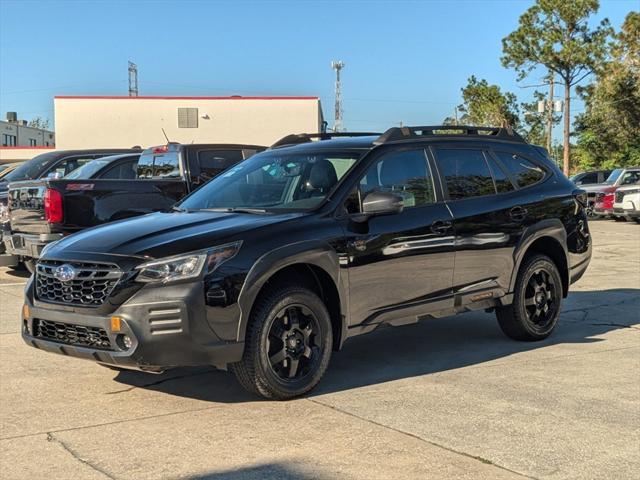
{"x":9,"y":140}
{"x":32,"y":142}
{"x":187,"y":118}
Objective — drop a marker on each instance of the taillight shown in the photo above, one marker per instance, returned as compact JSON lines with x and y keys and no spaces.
{"x":53,"y":212}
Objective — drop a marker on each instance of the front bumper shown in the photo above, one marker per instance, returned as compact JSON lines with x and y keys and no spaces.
{"x":167,"y":327}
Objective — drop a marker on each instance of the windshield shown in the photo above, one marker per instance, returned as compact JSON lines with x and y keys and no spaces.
{"x":30,"y":169}
{"x":87,"y":170}
{"x":274,"y":181}
{"x":613,"y":176}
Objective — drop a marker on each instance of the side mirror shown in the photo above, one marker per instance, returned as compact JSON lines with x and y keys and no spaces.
{"x":382,"y":203}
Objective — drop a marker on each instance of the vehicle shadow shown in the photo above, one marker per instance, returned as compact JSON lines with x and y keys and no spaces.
{"x":257,"y":472}
{"x":428,"y":347}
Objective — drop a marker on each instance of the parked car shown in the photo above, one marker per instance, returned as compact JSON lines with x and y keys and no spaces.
{"x":593,"y":177}
{"x":605,"y":194}
{"x":55,"y":164}
{"x":43,"y":211}
{"x":627,"y":202}
{"x":114,"y":167}
{"x":6,"y":168}
{"x":278,"y":261}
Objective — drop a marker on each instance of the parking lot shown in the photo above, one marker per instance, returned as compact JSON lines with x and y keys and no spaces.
{"x":447,"y":398}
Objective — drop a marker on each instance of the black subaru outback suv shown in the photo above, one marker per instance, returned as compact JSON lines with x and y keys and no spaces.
{"x":275,"y":263}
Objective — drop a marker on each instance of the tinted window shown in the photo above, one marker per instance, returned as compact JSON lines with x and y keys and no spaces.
{"x":67,"y":166}
{"x":87,"y":170}
{"x":588,"y":178}
{"x":212,"y":162}
{"x":163,"y":165}
{"x":503,"y":184}
{"x":466,"y":173}
{"x":403,"y":173}
{"x":523,"y":171}
{"x":123,"y":171}
{"x":630,"y":178}
{"x":32,"y":168}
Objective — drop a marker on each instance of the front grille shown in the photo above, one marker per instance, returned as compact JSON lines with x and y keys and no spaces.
{"x":79,"y":335}
{"x":619,"y":196}
{"x":90,"y":286}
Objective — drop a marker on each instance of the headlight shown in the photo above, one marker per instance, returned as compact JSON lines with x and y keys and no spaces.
{"x":188,"y":265}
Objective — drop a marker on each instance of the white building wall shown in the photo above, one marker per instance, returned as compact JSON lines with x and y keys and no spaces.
{"x":94,"y":122}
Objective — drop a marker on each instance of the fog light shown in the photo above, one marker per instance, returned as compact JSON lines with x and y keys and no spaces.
{"x":124,"y":341}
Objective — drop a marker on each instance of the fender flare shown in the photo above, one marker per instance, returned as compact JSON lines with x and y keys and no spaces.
{"x":552,"y":228}
{"x":310,"y":252}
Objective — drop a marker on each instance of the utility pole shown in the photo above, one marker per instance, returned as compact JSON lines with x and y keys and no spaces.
{"x":455,"y":114}
{"x":550,"y":109}
{"x":338,"y":65}
{"x":133,"y":79}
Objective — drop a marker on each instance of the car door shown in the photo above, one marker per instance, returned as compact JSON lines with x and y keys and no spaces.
{"x":487,"y":218}
{"x":400,"y":265}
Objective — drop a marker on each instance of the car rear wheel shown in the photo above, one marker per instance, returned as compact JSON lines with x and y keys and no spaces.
{"x":288,"y":344}
{"x":536,"y":303}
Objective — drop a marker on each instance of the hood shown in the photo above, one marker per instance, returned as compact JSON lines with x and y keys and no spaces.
{"x":160,"y":235}
{"x":597,"y":187}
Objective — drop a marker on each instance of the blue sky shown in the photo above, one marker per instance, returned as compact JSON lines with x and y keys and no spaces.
{"x":405,"y":60}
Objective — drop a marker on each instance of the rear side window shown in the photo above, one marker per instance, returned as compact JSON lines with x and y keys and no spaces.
{"x":164,"y":165}
{"x":212,"y":162}
{"x":524,"y":172}
{"x":466,"y":173}
{"x":123,"y":171}
{"x":501,"y":179}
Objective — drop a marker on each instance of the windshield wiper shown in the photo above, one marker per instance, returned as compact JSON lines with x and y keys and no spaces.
{"x":178,"y":209}
{"x":255,"y":211}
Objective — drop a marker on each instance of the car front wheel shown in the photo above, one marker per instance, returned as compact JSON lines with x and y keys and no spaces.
{"x":288,"y":344}
{"x":536,"y":302}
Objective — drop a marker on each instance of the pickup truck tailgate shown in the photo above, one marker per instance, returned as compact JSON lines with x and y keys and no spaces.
{"x":26,"y":207}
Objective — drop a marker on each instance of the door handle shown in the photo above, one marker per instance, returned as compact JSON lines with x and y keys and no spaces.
{"x":518,"y":213}
{"x":440,"y":227}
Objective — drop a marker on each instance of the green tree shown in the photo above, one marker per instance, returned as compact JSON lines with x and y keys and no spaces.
{"x":486,"y":105}
{"x":556,"y":34}
{"x":609,"y":129}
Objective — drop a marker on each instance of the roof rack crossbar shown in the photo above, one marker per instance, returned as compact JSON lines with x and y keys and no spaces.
{"x":298,"y":138}
{"x":396,"y":134}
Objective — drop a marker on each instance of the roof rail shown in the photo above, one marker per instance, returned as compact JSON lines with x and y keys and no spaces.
{"x":298,"y":138}
{"x":396,"y":134}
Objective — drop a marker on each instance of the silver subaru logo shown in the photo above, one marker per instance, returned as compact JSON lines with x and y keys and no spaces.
{"x":65,"y":273}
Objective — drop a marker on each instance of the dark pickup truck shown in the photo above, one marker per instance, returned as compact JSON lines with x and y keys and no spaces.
{"x":56,"y":164}
{"x":43,"y":211}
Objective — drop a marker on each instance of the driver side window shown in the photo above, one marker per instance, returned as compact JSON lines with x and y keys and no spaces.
{"x":405,"y":173}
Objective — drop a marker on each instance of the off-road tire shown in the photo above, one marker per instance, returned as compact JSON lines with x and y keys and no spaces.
{"x":514,"y":319}
{"x":255,"y":371}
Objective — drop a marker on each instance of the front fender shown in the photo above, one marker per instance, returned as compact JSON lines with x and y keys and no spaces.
{"x":311,"y":252}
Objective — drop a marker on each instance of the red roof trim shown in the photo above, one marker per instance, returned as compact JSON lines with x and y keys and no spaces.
{"x":39,"y":147}
{"x":121,"y":97}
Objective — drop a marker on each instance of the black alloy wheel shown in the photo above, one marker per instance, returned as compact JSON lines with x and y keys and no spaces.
{"x":540,"y":298}
{"x":294,"y":345}
{"x":288,"y":343}
{"x":537,"y":300}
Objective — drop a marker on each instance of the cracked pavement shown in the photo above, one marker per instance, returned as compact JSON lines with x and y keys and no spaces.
{"x":447,"y":398}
